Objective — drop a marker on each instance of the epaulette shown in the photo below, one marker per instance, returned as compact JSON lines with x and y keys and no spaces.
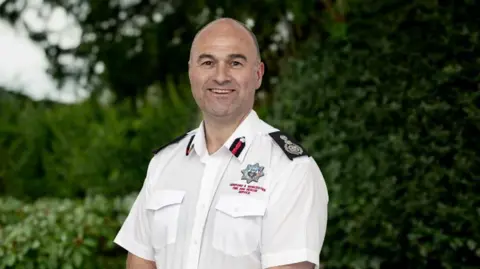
{"x":155,"y":151}
{"x":291,"y":148}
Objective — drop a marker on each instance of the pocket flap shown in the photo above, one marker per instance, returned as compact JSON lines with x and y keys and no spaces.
{"x":163,"y":198}
{"x":241,"y":206}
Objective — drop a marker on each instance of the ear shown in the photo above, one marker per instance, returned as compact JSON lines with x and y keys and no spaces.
{"x":259,"y":73}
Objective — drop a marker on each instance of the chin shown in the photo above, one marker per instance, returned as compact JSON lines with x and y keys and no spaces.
{"x":220,"y":114}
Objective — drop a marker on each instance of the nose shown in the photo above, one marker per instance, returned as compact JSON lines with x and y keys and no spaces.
{"x":222,"y":75}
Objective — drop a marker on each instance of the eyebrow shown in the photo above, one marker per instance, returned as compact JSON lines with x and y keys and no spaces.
{"x":237,"y":55}
{"x":230,"y":56}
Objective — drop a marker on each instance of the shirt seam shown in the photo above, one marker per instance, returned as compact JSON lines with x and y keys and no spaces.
{"x":290,"y":257}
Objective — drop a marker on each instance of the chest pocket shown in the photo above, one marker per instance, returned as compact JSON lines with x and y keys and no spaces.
{"x":164,"y":207}
{"x":237,"y":224}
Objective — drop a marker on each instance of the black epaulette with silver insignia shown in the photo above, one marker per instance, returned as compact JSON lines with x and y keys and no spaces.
{"x":291,"y":148}
{"x":155,"y":151}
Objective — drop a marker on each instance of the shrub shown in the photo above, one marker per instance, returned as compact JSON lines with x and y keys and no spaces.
{"x":62,"y":233}
{"x":88,"y":148}
{"x":391,"y":113}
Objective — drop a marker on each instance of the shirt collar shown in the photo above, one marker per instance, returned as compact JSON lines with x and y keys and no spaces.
{"x":238,"y":143}
{"x":199,"y":145}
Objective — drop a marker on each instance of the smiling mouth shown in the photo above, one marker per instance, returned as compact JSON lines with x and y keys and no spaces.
{"x":221,"y":91}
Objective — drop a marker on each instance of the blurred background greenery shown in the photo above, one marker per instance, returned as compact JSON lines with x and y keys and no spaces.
{"x":384,"y":94}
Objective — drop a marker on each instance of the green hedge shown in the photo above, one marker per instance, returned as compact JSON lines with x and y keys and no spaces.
{"x":390,"y":111}
{"x":62,"y":233}
{"x":88,"y":148}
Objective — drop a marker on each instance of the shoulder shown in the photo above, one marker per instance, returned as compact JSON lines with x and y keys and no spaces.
{"x":163,"y":153}
{"x":285,"y":146}
{"x":177,"y":140}
{"x":293,"y":166}
{"x":288,"y":145}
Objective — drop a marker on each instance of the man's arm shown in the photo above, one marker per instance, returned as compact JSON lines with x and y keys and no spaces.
{"x":134,"y":234}
{"x":294,"y":227}
{"x":301,"y":265}
{"x":135,"y":262}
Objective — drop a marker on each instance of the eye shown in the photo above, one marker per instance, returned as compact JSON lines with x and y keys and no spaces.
{"x":207,"y":63}
{"x":236,"y":63}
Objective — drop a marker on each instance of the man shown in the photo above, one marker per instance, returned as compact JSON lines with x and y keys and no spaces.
{"x":235,"y":193}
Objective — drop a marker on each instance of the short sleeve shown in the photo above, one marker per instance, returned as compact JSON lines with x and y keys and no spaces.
{"x":294,"y":225}
{"x":135,"y":232}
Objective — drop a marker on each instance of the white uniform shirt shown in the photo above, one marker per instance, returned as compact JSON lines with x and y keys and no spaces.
{"x":247,"y":206}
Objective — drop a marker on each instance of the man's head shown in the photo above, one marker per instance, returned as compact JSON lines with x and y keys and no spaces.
{"x":225,"y":69}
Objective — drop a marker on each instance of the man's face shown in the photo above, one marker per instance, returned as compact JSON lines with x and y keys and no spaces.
{"x":224,"y":71}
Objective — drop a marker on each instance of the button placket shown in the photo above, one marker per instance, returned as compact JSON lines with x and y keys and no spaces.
{"x":208,"y":185}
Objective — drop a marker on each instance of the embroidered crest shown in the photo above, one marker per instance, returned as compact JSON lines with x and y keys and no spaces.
{"x":289,"y":146}
{"x":252,"y":173}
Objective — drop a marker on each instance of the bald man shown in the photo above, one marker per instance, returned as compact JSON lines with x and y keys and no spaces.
{"x":235,"y":192}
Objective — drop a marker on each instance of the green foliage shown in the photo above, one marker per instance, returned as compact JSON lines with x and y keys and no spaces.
{"x":144,"y":42}
{"x":391,"y":113}
{"x":72,"y":150}
{"x":62,"y":233}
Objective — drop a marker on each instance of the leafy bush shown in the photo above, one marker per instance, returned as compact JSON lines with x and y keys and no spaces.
{"x":390,"y":111}
{"x":62,"y":233}
{"x":71,"y":150}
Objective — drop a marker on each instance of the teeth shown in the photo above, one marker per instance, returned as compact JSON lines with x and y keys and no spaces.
{"x":220,"y":91}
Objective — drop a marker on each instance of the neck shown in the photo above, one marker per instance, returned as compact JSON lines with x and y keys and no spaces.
{"x":218,"y":131}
